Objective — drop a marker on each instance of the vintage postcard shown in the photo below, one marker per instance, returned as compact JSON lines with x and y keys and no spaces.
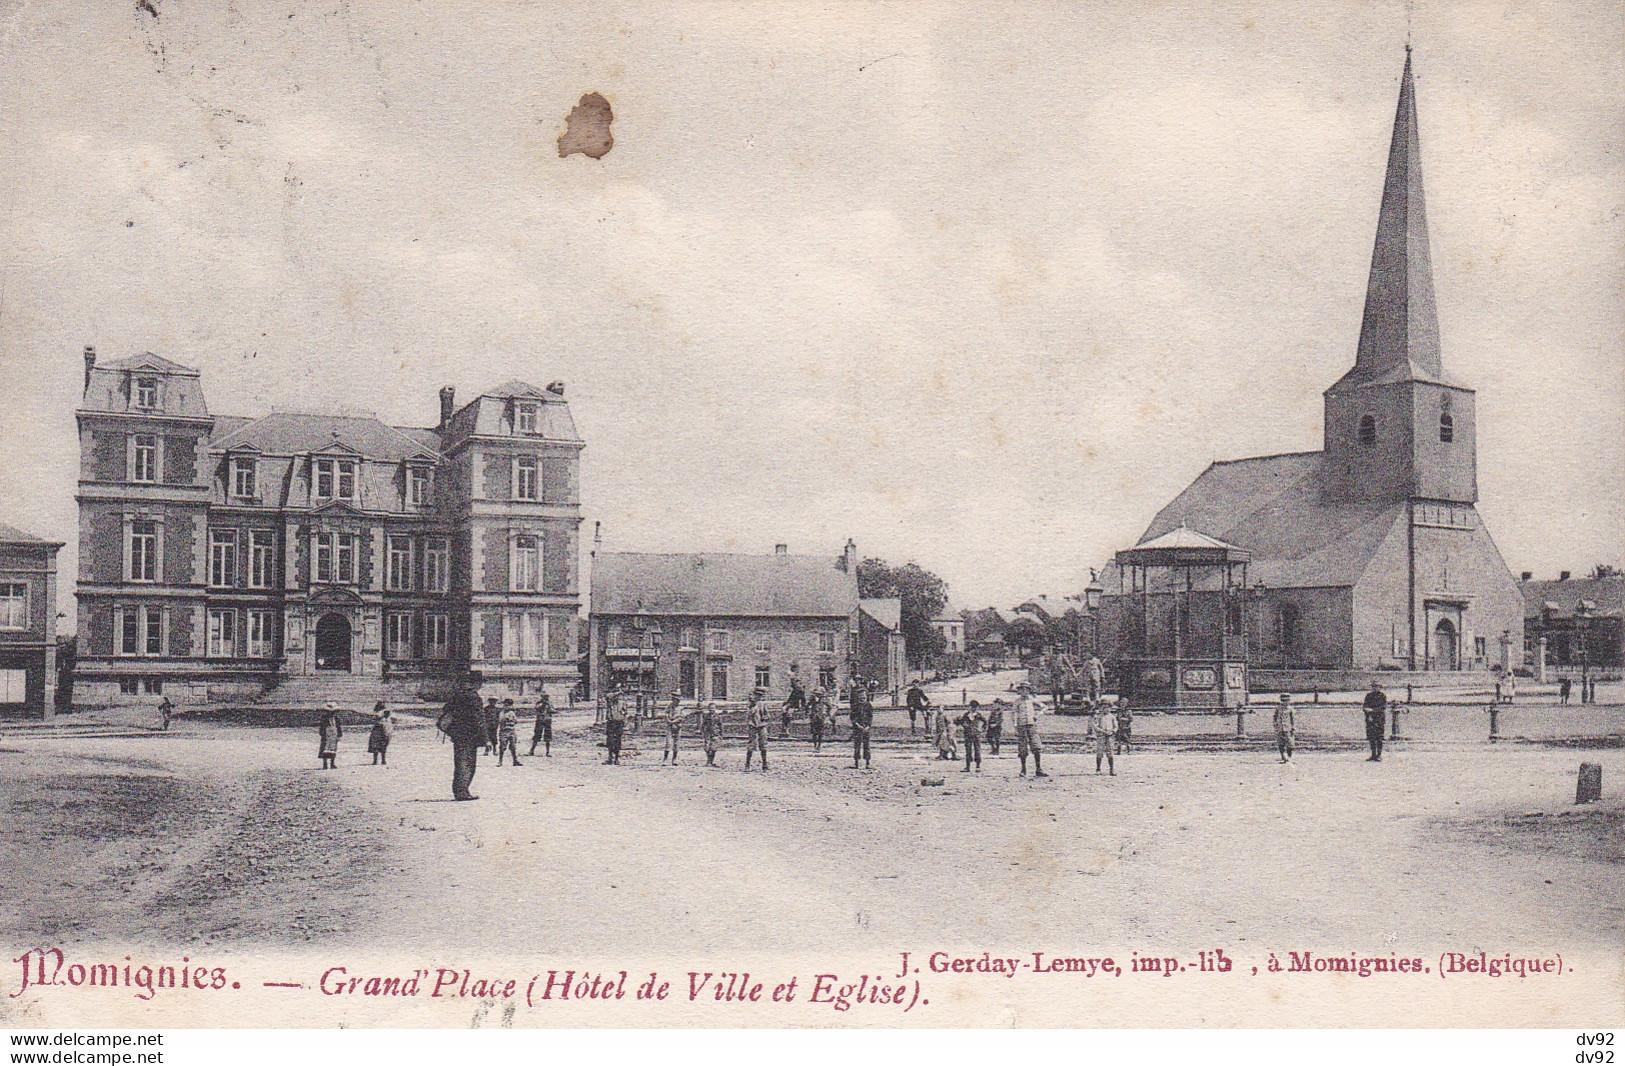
{"x":935,"y":515}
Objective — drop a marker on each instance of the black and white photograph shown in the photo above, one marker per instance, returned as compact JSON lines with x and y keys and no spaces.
{"x":812,"y":516}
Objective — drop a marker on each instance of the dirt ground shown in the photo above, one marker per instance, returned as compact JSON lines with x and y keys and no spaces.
{"x":229,"y":838}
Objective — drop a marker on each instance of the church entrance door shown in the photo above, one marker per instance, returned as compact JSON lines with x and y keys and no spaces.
{"x":1445,"y":646}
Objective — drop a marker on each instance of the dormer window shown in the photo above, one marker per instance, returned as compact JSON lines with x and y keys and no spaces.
{"x":146,"y":393}
{"x":417,"y":486}
{"x":525,"y":418}
{"x":1368,"y":429}
{"x":335,"y":479}
{"x":244,"y":478}
{"x":1447,"y":428}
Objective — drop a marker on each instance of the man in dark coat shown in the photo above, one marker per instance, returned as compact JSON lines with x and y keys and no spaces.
{"x":862,"y":715}
{"x":1376,"y":710}
{"x":463,"y":721}
{"x":917,"y":703}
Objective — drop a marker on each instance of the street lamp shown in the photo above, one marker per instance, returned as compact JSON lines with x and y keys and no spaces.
{"x":1582,"y":624}
{"x":1091,"y":601}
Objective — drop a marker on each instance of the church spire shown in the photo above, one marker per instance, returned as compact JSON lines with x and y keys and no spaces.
{"x":1400,"y":331}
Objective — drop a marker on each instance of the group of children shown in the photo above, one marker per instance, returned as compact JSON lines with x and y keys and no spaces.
{"x":1110,"y":729}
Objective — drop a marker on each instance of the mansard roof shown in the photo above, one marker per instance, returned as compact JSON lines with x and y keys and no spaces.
{"x":148,"y":361}
{"x":288,"y":433}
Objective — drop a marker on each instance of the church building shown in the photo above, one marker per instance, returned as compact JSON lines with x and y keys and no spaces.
{"x":1370,"y":553}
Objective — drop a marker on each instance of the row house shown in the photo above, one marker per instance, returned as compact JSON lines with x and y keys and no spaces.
{"x":321,"y":554}
{"x":712,"y":626}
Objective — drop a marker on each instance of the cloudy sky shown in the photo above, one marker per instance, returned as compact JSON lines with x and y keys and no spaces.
{"x":977,"y":285}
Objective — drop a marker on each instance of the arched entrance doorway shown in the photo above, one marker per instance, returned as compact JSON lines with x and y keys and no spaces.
{"x":333,"y":643}
{"x":1444,"y":646}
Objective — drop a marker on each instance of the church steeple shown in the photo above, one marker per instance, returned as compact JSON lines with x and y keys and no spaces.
{"x":1396,"y":427}
{"x":1399,"y":336}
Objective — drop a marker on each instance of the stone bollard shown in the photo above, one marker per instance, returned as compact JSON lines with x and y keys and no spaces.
{"x":1589,"y":787}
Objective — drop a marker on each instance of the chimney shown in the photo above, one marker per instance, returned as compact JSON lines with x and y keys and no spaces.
{"x":448,"y":404}
{"x":556,"y":388}
{"x":90,"y":364}
{"x":849,"y":557}
{"x":1563,"y":576}
{"x":781,"y":549}
{"x":1526,"y":575}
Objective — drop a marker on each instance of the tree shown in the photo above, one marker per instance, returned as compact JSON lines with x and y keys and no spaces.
{"x":1605,"y":570}
{"x":923,"y":595}
{"x":1027,"y":633}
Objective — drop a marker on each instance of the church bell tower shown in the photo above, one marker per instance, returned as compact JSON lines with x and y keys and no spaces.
{"x":1396,"y":427}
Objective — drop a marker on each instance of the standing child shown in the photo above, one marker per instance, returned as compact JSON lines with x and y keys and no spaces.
{"x":674,"y":729}
{"x":542,"y":731}
{"x":493,"y":715}
{"x":1104,"y":728}
{"x":710,"y":733}
{"x":1125,"y":725}
{"x":862,"y":715}
{"x":1286,"y":727}
{"x":508,"y":732}
{"x":756,"y":730}
{"x":946,"y":748}
{"x":995,"y":726}
{"x":330,"y":731}
{"x":383,"y":731}
{"x":614,"y":729}
{"x":818,"y":709}
{"x":971,"y":722}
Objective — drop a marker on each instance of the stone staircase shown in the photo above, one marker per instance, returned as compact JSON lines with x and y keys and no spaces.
{"x":317,"y":691}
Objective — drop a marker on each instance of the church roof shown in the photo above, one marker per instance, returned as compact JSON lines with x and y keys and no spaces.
{"x":1399,"y":333}
{"x":722,"y":585}
{"x":1274,"y":506}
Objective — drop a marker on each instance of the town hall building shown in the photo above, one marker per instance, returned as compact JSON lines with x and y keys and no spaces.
{"x":315,"y":557}
{"x":1369,"y":553}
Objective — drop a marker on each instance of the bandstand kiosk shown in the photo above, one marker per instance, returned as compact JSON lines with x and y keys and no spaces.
{"x":1184,"y":638}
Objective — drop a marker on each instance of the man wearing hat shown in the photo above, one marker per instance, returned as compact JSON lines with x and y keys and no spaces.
{"x":756,"y":730}
{"x":1376,"y":708}
{"x":463,"y":721}
{"x":862,"y":714}
{"x":1026,"y":716}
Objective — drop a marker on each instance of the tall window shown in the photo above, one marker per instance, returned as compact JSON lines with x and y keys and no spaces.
{"x":259,"y":634}
{"x":144,"y":459}
{"x":222,"y":558}
{"x":14,"y":606}
{"x":525,"y":559}
{"x":152,"y":631}
{"x":764,"y":678}
{"x":336,"y":558}
{"x":719,"y":681}
{"x":558,"y":638}
{"x":244,"y":478}
{"x":397,"y":635}
{"x":335,"y":479}
{"x":261,"y":559}
{"x":436,"y":636}
{"x":1368,"y":429}
{"x":146,"y":393}
{"x":417,"y":486}
{"x":826,"y":642}
{"x":524,"y":635}
{"x":222,"y":633}
{"x":717,"y":640}
{"x":436,"y":569}
{"x":1447,"y":428}
{"x":826,"y":678}
{"x":143,"y":550}
{"x":526,"y":419}
{"x":688,"y":638}
{"x":524,"y":477}
{"x":764,"y":642}
{"x":400,"y":563}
